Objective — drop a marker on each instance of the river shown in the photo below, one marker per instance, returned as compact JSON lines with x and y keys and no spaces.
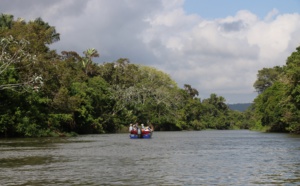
{"x":233,"y":157}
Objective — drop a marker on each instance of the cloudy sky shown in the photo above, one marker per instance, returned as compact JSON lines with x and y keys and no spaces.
{"x":216,"y":46}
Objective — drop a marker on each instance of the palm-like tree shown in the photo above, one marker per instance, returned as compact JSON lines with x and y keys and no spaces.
{"x":87,"y":60}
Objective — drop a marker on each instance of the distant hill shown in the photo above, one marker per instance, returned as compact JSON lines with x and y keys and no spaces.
{"x":239,"y":106}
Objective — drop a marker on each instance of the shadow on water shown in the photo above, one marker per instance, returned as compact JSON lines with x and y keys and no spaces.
{"x":22,"y":152}
{"x":31,"y":142}
{"x":37,"y":142}
{"x":25,"y":161}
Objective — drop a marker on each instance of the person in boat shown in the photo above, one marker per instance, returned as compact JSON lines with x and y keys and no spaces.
{"x":139,"y":131}
{"x":130,"y":127}
{"x":143,"y":127}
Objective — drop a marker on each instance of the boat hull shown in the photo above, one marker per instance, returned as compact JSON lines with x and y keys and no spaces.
{"x":143,"y":136}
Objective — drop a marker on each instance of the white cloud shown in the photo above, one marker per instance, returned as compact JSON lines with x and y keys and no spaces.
{"x":223,"y":56}
{"x":214,"y":56}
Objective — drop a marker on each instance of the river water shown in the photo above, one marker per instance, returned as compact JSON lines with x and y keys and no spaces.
{"x":238,"y":157}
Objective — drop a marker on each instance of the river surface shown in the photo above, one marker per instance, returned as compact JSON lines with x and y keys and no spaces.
{"x":238,"y":157}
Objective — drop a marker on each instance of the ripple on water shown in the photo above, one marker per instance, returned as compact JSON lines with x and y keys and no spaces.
{"x":169,"y":158}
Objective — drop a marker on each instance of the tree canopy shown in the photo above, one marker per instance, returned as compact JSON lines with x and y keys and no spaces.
{"x":277,"y":107}
{"x":44,"y":93}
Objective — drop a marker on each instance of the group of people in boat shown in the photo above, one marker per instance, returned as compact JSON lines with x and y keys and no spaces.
{"x":136,"y":127}
{"x":139,"y":130}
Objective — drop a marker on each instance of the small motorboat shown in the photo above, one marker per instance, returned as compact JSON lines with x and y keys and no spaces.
{"x":144,"y":133}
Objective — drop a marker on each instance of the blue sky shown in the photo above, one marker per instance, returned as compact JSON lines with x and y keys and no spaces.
{"x":216,"y":46}
{"x":212,"y":9}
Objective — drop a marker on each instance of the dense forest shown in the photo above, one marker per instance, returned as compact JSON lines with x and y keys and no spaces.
{"x":44,"y":93}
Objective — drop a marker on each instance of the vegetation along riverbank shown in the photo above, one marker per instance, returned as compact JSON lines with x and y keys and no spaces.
{"x":46,"y":93}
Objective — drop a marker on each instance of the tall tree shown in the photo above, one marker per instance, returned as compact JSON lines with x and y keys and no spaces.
{"x":271,"y":107}
{"x":48,"y":33}
{"x":293,"y":91}
{"x":87,"y":60}
{"x":191,"y":91}
{"x":266,"y":77}
{"x":14,"y":53}
{"x":278,"y":106}
{"x":6,"y":21}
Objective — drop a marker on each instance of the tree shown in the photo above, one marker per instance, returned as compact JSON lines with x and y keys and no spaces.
{"x":6,"y":21}
{"x":45,"y":31}
{"x":277,"y":107}
{"x":293,"y":75}
{"x":266,"y":77}
{"x":25,"y":52}
{"x":38,"y":33}
{"x":271,"y":106}
{"x":87,"y":60}
{"x":191,"y":91}
{"x":145,"y":92}
{"x":215,"y":112}
{"x":92,"y":108}
{"x":13,"y":53}
{"x":23,"y":66}
{"x":292,"y":72}
{"x":217,"y":101}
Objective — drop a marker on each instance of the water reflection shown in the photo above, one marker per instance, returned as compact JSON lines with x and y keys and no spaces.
{"x":169,"y":158}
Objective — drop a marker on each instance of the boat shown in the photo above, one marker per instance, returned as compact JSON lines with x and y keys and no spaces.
{"x":146,"y":134}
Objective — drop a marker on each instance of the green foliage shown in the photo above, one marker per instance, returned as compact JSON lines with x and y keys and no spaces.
{"x":87,"y":60}
{"x":266,"y":77}
{"x":47,"y":94}
{"x":278,"y":107}
{"x":6,"y":21}
{"x":270,"y":107}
